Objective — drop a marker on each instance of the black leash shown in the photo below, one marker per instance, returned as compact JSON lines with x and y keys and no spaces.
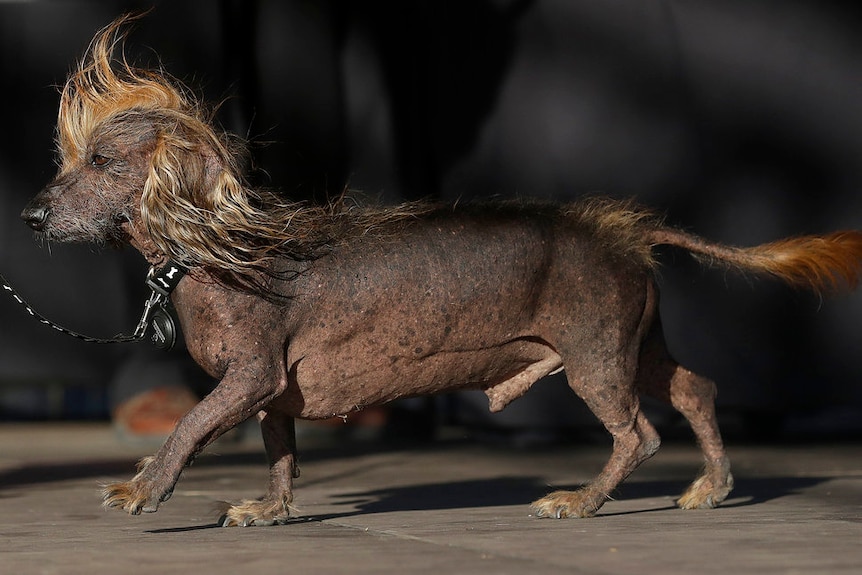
{"x":156,"y":315}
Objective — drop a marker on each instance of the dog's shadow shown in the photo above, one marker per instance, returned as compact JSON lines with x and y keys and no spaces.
{"x":515,"y":491}
{"x":477,"y":493}
{"x":520,"y":491}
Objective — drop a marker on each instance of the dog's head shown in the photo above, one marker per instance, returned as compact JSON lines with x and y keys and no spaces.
{"x":138,"y":158}
{"x":141,"y":162}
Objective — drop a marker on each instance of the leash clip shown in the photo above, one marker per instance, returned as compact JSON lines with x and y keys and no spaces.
{"x":162,"y":282}
{"x":156,"y":299}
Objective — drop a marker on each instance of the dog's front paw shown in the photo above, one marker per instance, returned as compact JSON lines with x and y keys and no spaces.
{"x":562,"y":504}
{"x":130,"y":496}
{"x":135,"y":496}
{"x":257,"y":513}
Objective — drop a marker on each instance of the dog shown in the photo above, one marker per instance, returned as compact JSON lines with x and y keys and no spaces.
{"x":304,"y":311}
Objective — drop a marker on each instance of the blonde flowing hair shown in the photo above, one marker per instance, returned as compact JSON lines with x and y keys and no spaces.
{"x":195,"y":204}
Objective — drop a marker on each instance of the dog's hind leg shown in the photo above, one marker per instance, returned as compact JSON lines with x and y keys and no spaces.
{"x":694,"y":397}
{"x":279,"y":438}
{"x":601,"y":369}
{"x":608,"y":391}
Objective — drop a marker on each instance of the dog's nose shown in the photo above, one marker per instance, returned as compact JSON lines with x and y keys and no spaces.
{"x":35,"y":216}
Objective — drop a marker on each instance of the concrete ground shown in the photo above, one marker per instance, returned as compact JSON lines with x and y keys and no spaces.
{"x":450,"y":507}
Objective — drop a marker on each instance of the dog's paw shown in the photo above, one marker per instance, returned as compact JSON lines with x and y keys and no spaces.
{"x":562,"y":504}
{"x":707,"y":491}
{"x":137,"y":495}
{"x":133,"y":497}
{"x":257,"y":513}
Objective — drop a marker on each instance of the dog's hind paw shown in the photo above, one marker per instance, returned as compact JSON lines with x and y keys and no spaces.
{"x":706,"y":492}
{"x":256,"y":513}
{"x":562,"y":504}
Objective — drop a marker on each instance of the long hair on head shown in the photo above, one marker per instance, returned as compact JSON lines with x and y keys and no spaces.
{"x":196,"y":205}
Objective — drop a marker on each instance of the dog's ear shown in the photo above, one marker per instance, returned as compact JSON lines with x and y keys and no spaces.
{"x":173,"y":203}
{"x":192,"y":192}
{"x":190,"y":169}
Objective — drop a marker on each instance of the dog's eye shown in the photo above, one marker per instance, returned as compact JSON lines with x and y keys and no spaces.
{"x":99,"y":160}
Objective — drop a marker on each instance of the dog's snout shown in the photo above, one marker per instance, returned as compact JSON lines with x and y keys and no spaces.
{"x":35,"y":216}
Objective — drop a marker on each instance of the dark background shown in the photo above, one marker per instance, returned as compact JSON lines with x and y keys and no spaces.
{"x":741,"y":120}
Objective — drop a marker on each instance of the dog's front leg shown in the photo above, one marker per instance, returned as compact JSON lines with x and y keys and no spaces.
{"x":279,"y":438}
{"x":238,"y":396}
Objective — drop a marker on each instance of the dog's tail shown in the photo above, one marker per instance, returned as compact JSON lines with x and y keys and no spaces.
{"x":825,"y":263}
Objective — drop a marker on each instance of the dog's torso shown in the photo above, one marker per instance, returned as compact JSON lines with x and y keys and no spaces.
{"x":471,"y":300}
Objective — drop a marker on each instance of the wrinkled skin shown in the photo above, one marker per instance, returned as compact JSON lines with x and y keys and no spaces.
{"x":471,"y":300}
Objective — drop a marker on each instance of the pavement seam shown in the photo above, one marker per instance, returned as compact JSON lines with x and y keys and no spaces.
{"x":545,"y":565}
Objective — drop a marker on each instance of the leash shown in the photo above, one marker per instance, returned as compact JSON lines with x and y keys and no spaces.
{"x":164,"y":333}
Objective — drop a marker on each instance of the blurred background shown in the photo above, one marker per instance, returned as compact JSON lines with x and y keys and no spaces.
{"x":742,"y":121}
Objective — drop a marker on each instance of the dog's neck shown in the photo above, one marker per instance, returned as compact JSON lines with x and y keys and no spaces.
{"x":140,"y":239}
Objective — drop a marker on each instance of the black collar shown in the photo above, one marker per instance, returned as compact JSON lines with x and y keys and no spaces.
{"x":165,"y":279}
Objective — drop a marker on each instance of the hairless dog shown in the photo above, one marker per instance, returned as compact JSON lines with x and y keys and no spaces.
{"x":303,"y":311}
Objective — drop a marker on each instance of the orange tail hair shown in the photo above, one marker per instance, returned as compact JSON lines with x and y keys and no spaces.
{"x":820,"y":263}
